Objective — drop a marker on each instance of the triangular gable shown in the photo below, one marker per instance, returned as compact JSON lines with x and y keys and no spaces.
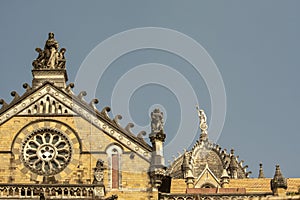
{"x":68,"y":104}
{"x":47,"y":104}
{"x":207,"y":178}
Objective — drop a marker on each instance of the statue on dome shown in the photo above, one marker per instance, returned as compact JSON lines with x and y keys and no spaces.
{"x":156,"y":121}
{"x":50,"y":57}
{"x":203,"y":120}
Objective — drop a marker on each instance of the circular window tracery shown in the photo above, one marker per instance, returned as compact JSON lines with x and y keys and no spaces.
{"x":46,"y":151}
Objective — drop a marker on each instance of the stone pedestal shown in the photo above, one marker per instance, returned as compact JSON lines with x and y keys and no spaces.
{"x":56,"y":76}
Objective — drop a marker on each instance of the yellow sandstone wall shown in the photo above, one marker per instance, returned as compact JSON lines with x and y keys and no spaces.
{"x":135,"y":179}
{"x":178,"y":186}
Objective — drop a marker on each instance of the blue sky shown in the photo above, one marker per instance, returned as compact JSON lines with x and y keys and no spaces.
{"x":255,"y":45}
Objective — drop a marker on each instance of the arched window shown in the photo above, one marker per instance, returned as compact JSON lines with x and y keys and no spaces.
{"x":114,"y":153}
{"x":207,"y":185}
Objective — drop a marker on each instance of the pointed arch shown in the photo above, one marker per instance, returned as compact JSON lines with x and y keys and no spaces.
{"x":114,"y":156}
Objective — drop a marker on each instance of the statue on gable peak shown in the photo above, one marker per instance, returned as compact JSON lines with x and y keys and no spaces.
{"x":50,"y":57}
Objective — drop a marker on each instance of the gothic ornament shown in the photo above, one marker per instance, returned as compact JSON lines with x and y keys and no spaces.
{"x":156,"y":121}
{"x":99,"y":172}
{"x":99,"y":190}
{"x":50,"y":57}
{"x":46,"y":151}
{"x":203,"y":123}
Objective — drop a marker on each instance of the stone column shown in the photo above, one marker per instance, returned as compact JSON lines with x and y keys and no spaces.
{"x":157,"y":138}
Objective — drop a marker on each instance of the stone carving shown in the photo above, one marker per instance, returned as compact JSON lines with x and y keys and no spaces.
{"x":99,"y":172}
{"x":187,"y":168}
{"x":278,"y":181}
{"x":46,"y":151}
{"x":203,"y":120}
{"x":50,"y":57}
{"x":156,"y":121}
{"x":99,"y":190}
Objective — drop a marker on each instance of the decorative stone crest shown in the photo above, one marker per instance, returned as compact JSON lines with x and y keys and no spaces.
{"x":99,"y":172}
{"x":99,"y":189}
{"x":156,"y":121}
{"x":50,"y":57}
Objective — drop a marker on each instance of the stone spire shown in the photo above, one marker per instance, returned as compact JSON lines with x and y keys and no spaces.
{"x":50,"y":64}
{"x":187,"y":169}
{"x":203,"y":124}
{"x":233,"y":165}
{"x":224,"y":179}
{"x":261,"y":171}
{"x":278,"y":183}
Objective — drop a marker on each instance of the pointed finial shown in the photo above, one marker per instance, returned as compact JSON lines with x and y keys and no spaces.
{"x":232,"y":152}
{"x":278,"y":181}
{"x":233,"y":166}
{"x":261,"y":171}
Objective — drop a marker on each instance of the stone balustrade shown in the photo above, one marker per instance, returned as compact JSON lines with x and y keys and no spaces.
{"x":164,"y":196}
{"x":51,"y":191}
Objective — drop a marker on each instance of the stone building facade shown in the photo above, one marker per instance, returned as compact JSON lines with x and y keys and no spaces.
{"x":55,"y":145}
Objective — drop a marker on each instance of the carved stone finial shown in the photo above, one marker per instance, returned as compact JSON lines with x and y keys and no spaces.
{"x":232,"y":151}
{"x":105,"y":111}
{"x":278,"y":183}
{"x":233,"y":166}
{"x":128,"y":127}
{"x":188,"y":169}
{"x":3,"y":103}
{"x":93,"y":103}
{"x":116,"y":119}
{"x":261,"y":171}
{"x":203,"y":123}
{"x":69,"y":88}
{"x":224,"y":179}
{"x":26,"y":87}
{"x":50,"y":57}
{"x":81,"y":95}
{"x":141,"y":135}
{"x":15,"y":95}
{"x":157,"y":121}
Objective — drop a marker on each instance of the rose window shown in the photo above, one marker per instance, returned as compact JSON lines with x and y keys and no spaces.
{"x":46,"y":151}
